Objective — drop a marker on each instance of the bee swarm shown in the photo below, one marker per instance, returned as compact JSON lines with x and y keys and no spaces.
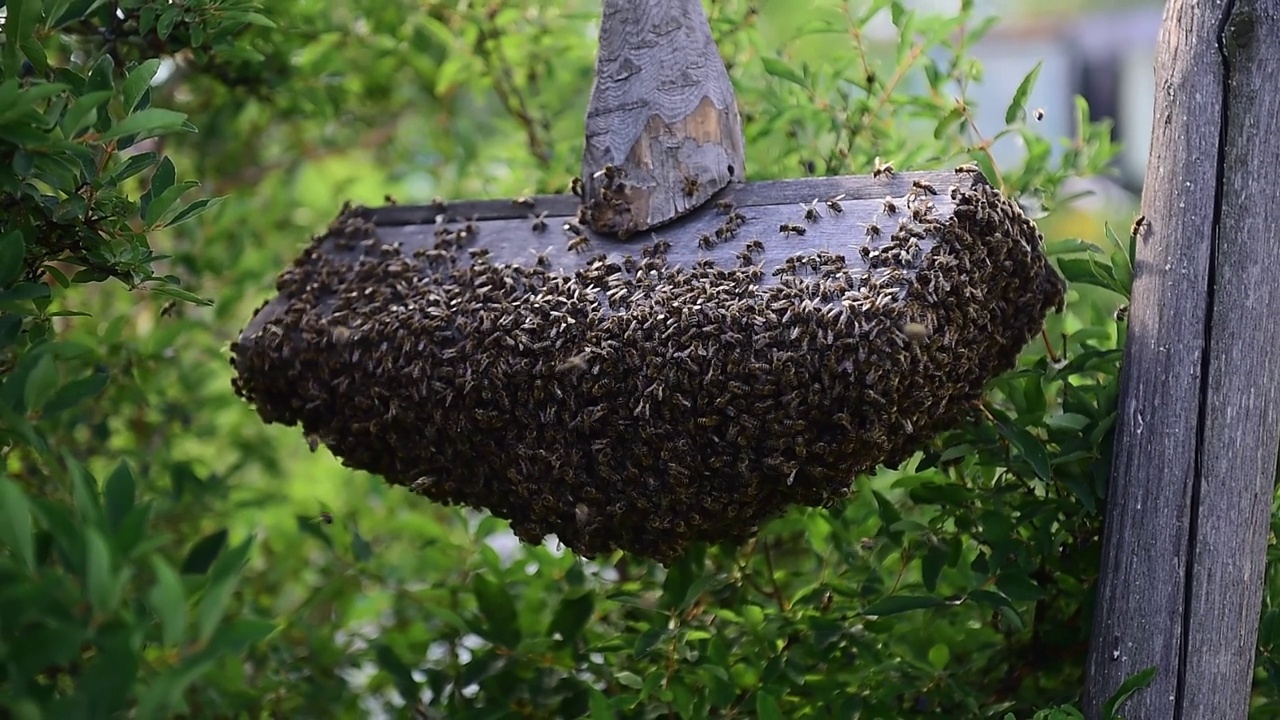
{"x":634,"y":403}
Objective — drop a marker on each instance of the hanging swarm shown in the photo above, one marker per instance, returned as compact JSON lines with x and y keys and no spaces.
{"x":632,"y":403}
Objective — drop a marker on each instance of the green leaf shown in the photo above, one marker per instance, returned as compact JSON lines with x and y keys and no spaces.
{"x":629,"y":679}
{"x":895,"y":604}
{"x":76,"y":392}
{"x":131,"y":166}
{"x":1029,"y":448}
{"x":99,"y":577}
{"x":1126,"y":690}
{"x":194,"y":209}
{"x":782,"y":71}
{"x":249,"y":18}
{"x":223,"y":577}
{"x":15,"y":522}
{"x":83,"y":113}
{"x":1019,"y":588}
{"x":169,"y":602}
{"x":360,"y":549}
{"x":1017,"y":111}
{"x":160,"y":205}
{"x":162,"y":179}
{"x":571,"y":617}
{"x":147,"y":123}
{"x":681,"y":576}
{"x":400,"y":673}
{"x":41,"y":383}
{"x":118,"y":495}
{"x":137,"y":82}
{"x":201,"y":555}
{"x":13,"y":252}
{"x":600,"y":708}
{"x":22,"y":17}
{"x":179,"y":294}
{"x":767,"y":706}
{"x":498,"y":610}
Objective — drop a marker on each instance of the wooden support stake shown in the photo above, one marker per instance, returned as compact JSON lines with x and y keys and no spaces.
{"x":1199,"y":420}
{"x":663,"y":131}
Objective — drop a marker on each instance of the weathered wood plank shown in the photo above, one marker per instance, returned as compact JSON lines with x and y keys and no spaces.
{"x":1241,"y":430}
{"x":523,"y":232}
{"x":1196,"y":432}
{"x":663,"y":130}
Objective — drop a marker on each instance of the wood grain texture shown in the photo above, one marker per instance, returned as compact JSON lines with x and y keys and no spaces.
{"x":662,"y":112}
{"x":1196,"y":439}
{"x":508,"y":230}
{"x":1241,"y":430}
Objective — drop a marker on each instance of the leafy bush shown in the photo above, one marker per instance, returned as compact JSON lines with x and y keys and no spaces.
{"x":221,"y":570}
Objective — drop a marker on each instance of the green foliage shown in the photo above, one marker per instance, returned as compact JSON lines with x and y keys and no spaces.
{"x":219,"y":569}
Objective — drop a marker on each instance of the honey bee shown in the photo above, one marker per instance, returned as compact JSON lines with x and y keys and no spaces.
{"x":889,"y":206}
{"x":706,"y":242}
{"x":1122,"y":313}
{"x":788,"y":228}
{"x":754,"y":245}
{"x":967,"y":168}
{"x":575,"y":186}
{"x":1139,"y":224}
{"x":539,"y":221}
{"x":873,"y":230}
{"x":326,"y":517}
{"x":1039,"y":114}
{"x":523,"y":202}
{"x":724,"y":207}
{"x":579,"y":243}
{"x":811,"y":210}
{"x":573,"y":227}
{"x":882,"y":169}
{"x":924,"y":187}
{"x":833,"y":204}
{"x":691,"y":185}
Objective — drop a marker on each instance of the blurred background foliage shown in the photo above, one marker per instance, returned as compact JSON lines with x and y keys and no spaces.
{"x":162,"y":552}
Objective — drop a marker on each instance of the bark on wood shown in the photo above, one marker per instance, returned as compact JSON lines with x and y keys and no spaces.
{"x":1198,"y":426}
{"x":663,"y":131}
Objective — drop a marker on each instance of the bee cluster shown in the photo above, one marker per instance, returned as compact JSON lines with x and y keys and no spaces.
{"x":639,"y":404}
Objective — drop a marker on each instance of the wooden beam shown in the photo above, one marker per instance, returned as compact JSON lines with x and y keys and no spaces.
{"x":663,"y":131}
{"x":848,"y":209}
{"x":1199,"y":418}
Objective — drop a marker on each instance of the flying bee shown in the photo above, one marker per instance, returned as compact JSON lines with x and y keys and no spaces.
{"x":924,"y":187}
{"x":523,"y":202}
{"x":1122,"y":313}
{"x":579,"y":243}
{"x":326,"y":517}
{"x":833,"y":204}
{"x":811,"y":213}
{"x":1039,"y":114}
{"x":575,"y":186}
{"x":691,"y":185}
{"x":889,"y":206}
{"x":788,"y":228}
{"x":1139,"y":224}
{"x":168,"y":308}
{"x":572,"y":227}
{"x":582,"y":514}
{"x":539,"y":221}
{"x":882,"y":169}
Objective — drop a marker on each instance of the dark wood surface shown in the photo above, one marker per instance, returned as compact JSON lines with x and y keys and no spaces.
{"x":663,"y":111}
{"x":508,"y":230}
{"x":1194,"y":470}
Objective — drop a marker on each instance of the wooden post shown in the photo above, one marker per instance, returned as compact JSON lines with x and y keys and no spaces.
{"x":663,"y":132}
{"x":1199,"y":420}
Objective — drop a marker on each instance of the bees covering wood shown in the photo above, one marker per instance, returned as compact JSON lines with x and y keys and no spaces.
{"x":645,"y":395}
